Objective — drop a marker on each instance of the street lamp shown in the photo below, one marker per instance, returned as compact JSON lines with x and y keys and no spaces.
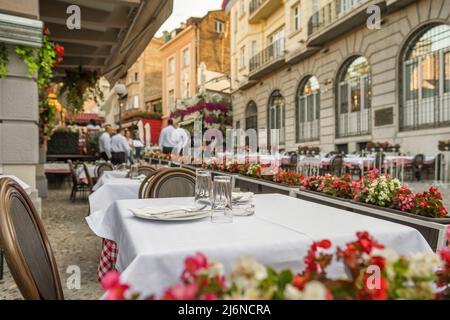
{"x":121,"y":91}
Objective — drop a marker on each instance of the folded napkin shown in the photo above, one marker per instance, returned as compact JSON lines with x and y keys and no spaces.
{"x":168,"y":211}
{"x":242,"y":196}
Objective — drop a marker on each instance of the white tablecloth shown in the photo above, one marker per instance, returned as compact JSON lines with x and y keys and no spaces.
{"x":108,"y":176}
{"x":24,"y":186}
{"x":113,"y":189}
{"x":82,"y":175}
{"x":151,"y":254}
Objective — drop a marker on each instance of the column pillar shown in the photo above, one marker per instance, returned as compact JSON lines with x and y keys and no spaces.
{"x":19,"y":111}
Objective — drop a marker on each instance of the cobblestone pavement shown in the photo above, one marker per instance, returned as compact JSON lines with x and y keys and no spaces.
{"x":73,"y":244}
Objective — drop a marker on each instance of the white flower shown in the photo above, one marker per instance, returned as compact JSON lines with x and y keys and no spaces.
{"x":423,"y":265}
{"x":292,"y":293}
{"x":315,"y":290}
{"x":388,"y":254}
{"x":250,"y":268}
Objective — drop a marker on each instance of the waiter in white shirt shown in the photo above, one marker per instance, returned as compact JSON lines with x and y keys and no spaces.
{"x":104,"y":143}
{"x":168,"y":138}
{"x":182,"y":137}
{"x":120,"y":148}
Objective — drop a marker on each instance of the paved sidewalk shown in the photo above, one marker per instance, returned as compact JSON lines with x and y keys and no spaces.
{"x":73,"y":244}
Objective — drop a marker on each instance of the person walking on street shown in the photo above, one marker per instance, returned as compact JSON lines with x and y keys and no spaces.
{"x":105,"y":143}
{"x":120,"y":149}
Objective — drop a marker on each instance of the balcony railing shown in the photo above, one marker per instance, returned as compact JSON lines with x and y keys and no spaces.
{"x":261,"y":9}
{"x":426,"y":113}
{"x":255,"y":5}
{"x":354,"y":123}
{"x":331,"y":12}
{"x":271,"y":53}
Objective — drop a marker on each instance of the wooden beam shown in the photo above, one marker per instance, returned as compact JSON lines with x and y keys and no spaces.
{"x":59,"y":33}
{"x":128,"y":3}
{"x":55,"y":12}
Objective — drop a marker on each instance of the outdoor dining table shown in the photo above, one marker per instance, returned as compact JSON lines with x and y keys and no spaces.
{"x":113,"y":189}
{"x":151,"y":254}
{"x":108,"y":176}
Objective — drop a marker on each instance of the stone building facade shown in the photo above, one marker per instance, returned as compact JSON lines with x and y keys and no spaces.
{"x":143,"y":84}
{"x":200,"y":41}
{"x":331,"y":79}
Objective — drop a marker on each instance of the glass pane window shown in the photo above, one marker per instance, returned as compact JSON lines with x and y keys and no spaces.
{"x":447,"y":72}
{"x":430,"y":76}
{"x":355,"y":96}
{"x":412,"y":81}
{"x":343,"y":98}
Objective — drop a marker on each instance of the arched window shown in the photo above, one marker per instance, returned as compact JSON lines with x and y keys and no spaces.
{"x":251,"y":116}
{"x":426,"y":79}
{"x":276,"y":116}
{"x":308,"y":110}
{"x":354,"y":98}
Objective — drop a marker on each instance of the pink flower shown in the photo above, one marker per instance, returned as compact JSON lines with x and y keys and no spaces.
{"x":181,"y":292}
{"x":209,"y":296}
{"x":193,"y":264}
{"x":115,"y":290}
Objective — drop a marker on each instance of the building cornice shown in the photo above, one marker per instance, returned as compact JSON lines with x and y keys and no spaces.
{"x":20,"y":31}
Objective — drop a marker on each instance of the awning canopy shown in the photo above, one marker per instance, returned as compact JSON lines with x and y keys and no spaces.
{"x":85,"y":118}
{"x":113,"y":33}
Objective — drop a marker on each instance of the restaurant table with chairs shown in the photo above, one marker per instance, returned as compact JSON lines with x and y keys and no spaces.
{"x":150,"y":254}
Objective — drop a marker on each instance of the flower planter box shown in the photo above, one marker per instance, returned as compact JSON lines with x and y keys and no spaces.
{"x":260,"y":186}
{"x":432,"y":229}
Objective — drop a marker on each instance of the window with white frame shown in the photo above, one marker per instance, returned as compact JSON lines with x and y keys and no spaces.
{"x":426,"y":79}
{"x":254,"y":48}
{"x":276,"y":118}
{"x":136,"y":102}
{"x":308,"y":109}
{"x":296,"y":17}
{"x":171,"y":66}
{"x":186,"y":57}
{"x":242,"y":7}
{"x":171,"y":98}
{"x":243,"y":58}
{"x":219,"y":26}
{"x":354,"y":97}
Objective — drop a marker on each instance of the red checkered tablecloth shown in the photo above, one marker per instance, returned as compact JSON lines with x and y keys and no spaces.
{"x":108,"y":258}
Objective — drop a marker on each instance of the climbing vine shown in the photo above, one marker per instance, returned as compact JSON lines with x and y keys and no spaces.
{"x":3,"y":60}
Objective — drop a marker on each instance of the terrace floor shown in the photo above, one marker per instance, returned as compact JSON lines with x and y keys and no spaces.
{"x":74,"y":244}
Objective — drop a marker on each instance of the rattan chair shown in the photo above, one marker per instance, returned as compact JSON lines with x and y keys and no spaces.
{"x":337,"y":165}
{"x":171,"y":183}
{"x":77,"y":185}
{"x":415,"y":168}
{"x":102,"y":168}
{"x":90,"y":182}
{"x":145,"y":170}
{"x":26,"y":246}
{"x":146,"y":183}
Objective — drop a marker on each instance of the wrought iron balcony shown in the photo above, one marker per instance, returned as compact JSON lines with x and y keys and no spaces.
{"x":349,"y":12}
{"x":268,"y":59}
{"x":261,"y":9}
